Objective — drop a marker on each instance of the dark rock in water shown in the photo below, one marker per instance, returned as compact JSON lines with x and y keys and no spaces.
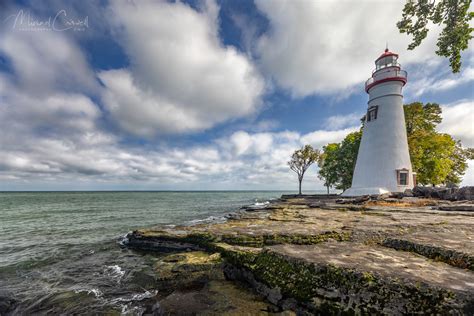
{"x":290,"y":196}
{"x":252,"y":208}
{"x":7,"y":303}
{"x":144,"y":279}
{"x":233,"y":216}
{"x":218,"y":297}
{"x":137,"y":241}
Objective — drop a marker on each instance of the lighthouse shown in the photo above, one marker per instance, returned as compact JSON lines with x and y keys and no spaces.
{"x":383,"y":162}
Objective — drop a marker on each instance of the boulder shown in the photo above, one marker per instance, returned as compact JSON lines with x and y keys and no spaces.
{"x":397,"y":195}
{"x":464,"y":193}
{"x":380,"y":197}
{"x":357,"y":200}
{"x":421,"y":191}
{"x":435,"y":193}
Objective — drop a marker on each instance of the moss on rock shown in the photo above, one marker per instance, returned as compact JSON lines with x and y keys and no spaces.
{"x":330,"y":289}
{"x":274,"y":239}
{"x":188,"y":269}
{"x":452,"y":257}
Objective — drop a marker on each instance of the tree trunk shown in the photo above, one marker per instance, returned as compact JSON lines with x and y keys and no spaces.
{"x":327,"y":188}
{"x":300,"y":180}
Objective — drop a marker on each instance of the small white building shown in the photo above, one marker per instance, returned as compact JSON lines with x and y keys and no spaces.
{"x":383,"y":162}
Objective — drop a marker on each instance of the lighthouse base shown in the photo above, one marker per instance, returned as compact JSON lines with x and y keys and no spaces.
{"x":364,"y":191}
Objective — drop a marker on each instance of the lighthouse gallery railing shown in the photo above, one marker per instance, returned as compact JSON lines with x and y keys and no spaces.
{"x":396,"y":73}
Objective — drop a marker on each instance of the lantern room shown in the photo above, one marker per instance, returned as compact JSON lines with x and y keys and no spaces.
{"x":386,"y":69}
{"x":387,"y":59}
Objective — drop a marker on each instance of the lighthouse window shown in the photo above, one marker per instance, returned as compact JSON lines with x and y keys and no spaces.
{"x":372,"y":113}
{"x":402,"y":177}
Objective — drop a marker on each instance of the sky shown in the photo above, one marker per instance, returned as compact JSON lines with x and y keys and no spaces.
{"x":199,"y":95}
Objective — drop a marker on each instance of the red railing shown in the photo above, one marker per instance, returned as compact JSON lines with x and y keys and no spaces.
{"x":397,"y":74}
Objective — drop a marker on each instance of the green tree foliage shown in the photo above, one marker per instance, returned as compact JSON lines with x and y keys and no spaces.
{"x":434,"y":162}
{"x":422,"y":118}
{"x":337,"y":162}
{"x":454,"y":15}
{"x":301,"y":160}
{"x":347,"y":156}
{"x":437,"y":158}
{"x":327,"y":165}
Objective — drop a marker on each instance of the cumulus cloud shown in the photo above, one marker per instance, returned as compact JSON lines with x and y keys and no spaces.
{"x":48,"y":118}
{"x":458,"y":121}
{"x":46,"y":61}
{"x":316,"y":47}
{"x":85,"y":153}
{"x":320,"y":138}
{"x":181,"y":78}
{"x":342,"y":121}
{"x":439,"y":81}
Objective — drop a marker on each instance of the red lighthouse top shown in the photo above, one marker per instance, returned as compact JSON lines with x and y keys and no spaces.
{"x":386,"y":53}
{"x":387,"y":69}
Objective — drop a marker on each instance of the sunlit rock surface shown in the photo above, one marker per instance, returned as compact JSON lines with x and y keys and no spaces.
{"x":317,"y":254}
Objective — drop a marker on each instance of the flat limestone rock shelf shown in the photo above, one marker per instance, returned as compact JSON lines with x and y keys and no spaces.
{"x":384,"y":262}
{"x":317,"y":255}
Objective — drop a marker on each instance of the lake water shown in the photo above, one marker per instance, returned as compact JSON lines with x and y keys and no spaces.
{"x":60,"y":251}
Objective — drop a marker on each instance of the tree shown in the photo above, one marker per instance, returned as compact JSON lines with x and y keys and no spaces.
{"x":419,"y":117}
{"x":435,"y":162}
{"x":327,"y":163}
{"x":347,"y":156}
{"x":460,"y":157}
{"x":301,"y":160}
{"x":338,"y":162}
{"x":436,"y":158}
{"x":453,"y":14}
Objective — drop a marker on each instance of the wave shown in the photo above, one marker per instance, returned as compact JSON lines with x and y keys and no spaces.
{"x":126,"y":302}
{"x":123,"y":240}
{"x":96,"y":292}
{"x":207,"y":220}
{"x":261,"y":203}
{"x":134,"y":297}
{"x":115,"y":272}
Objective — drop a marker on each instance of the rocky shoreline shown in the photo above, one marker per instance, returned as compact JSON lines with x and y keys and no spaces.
{"x":321,"y":254}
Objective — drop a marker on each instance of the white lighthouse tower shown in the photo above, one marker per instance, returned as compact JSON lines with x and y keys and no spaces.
{"x":383,"y":162}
